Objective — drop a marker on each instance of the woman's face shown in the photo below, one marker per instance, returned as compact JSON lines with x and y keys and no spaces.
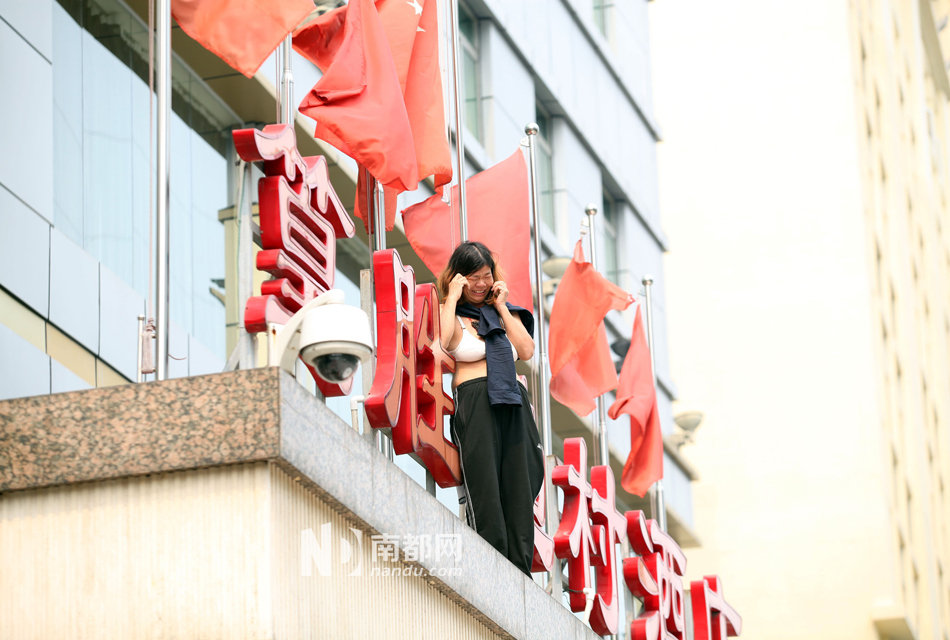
{"x":479,"y":285}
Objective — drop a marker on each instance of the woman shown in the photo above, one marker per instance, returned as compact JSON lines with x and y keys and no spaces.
{"x":502,"y":462}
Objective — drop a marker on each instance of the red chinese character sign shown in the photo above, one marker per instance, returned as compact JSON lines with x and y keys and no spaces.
{"x":610,"y":529}
{"x":713,"y":618}
{"x":440,"y":456}
{"x":656,"y":577}
{"x":574,"y":539}
{"x":300,"y":217}
{"x":590,"y":528}
{"x":406,"y":395}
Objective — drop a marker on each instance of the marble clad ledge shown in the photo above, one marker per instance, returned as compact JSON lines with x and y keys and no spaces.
{"x":138,"y":429}
{"x":260,"y":415}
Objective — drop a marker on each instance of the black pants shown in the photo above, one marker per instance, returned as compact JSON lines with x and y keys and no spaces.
{"x":502,"y":468}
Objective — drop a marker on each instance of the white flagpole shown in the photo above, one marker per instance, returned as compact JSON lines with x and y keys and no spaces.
{"x":286,"y":93}
{"x":658,"y":503}
{"x":601,"y":427}
{"x":459,"y":126}
{"x":542,"y":401}
{"x":163,"y":126}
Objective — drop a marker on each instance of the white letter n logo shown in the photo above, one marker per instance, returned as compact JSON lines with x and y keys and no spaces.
{"x":311,"y":553}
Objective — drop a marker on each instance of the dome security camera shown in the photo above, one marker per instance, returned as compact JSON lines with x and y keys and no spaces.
{"x":334,"y":339}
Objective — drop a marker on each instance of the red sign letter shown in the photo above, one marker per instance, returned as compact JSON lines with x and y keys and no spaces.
{"x":610,"y":528}
{"x":440,"y":456}
{"x":406,"y":394}
{"x":657,"y":577}
{"x":574,"y":540}
{"x":300,"y":215}
{"x":713,"y":618}
{"x":391,"y":402}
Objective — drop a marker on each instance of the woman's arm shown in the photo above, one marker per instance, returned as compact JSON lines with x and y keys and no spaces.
{"x":450,"y":329}
{"x":517,"y":334}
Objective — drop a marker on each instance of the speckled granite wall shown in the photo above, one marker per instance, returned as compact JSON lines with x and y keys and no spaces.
{"x":262,"y":415}
{"x":139,"y":428}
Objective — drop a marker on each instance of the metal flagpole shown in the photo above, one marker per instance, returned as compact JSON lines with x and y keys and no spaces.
{"x":286,"y":95}
{"x":591,"y":211}
{"x":459,"y":127}
{"x":163,"y":126}
{"x":542,"y":402}
{"x":657,"y":504}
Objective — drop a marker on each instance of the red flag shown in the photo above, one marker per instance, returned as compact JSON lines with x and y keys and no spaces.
{"x":413,"y":32}
{"x":581,"y":366}
{"x":636,"y":396}
{"x":497,"y":207}
{"x":358,"y":103}
{"x":240,"y":32}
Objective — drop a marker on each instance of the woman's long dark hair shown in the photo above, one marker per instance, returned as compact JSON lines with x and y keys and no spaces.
{"x":467,"y":258}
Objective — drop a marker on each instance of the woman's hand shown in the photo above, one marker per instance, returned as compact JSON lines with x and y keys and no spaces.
{"x":500,"y":294}
{"x":456,"y":286}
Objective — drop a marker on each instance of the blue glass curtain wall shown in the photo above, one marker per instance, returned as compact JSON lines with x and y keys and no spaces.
{"x":102,"y":136}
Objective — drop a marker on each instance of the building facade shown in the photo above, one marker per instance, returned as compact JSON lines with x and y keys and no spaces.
{"x":819,"y":246}
{"x":76,"y":185}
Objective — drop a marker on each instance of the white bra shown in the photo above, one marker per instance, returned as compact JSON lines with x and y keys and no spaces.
{"x":471,"y":348}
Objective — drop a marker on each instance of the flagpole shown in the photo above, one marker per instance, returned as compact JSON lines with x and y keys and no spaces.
{"x":658,"y":503}
{"x":542,"y":402}
{"x":163,"y":139}
{"x":286,"y":93}
{"x":459,"y":143}
{"x":591,"y":211}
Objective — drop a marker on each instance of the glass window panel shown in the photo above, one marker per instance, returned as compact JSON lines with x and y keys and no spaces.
{"x":67,"y":125}
{"x":141,"y":176}
{"x":471,"y":87}
{"x":545,"y":186}
{"x":102,"y":138}
{"x":610,"y":263}
{"x":179,"y":220}
{"x":600,"y":15}
{"x":544,"y":156}
{"x":467,"y":25}
{"x":470,"y":80}
{"x":107,"y":175}
{"x":208,"y":196}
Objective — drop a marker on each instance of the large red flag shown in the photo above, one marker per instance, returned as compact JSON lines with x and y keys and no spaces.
{"x":581,"y":366}
{"x":240,"y":32}
{"x":498,"y":211}
{"x":636,"y":396}
{"x":358,"y":104}
{"x":412,"y":32}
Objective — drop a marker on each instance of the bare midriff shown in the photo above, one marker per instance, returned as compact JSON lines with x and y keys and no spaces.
{"x":465,"y":371}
